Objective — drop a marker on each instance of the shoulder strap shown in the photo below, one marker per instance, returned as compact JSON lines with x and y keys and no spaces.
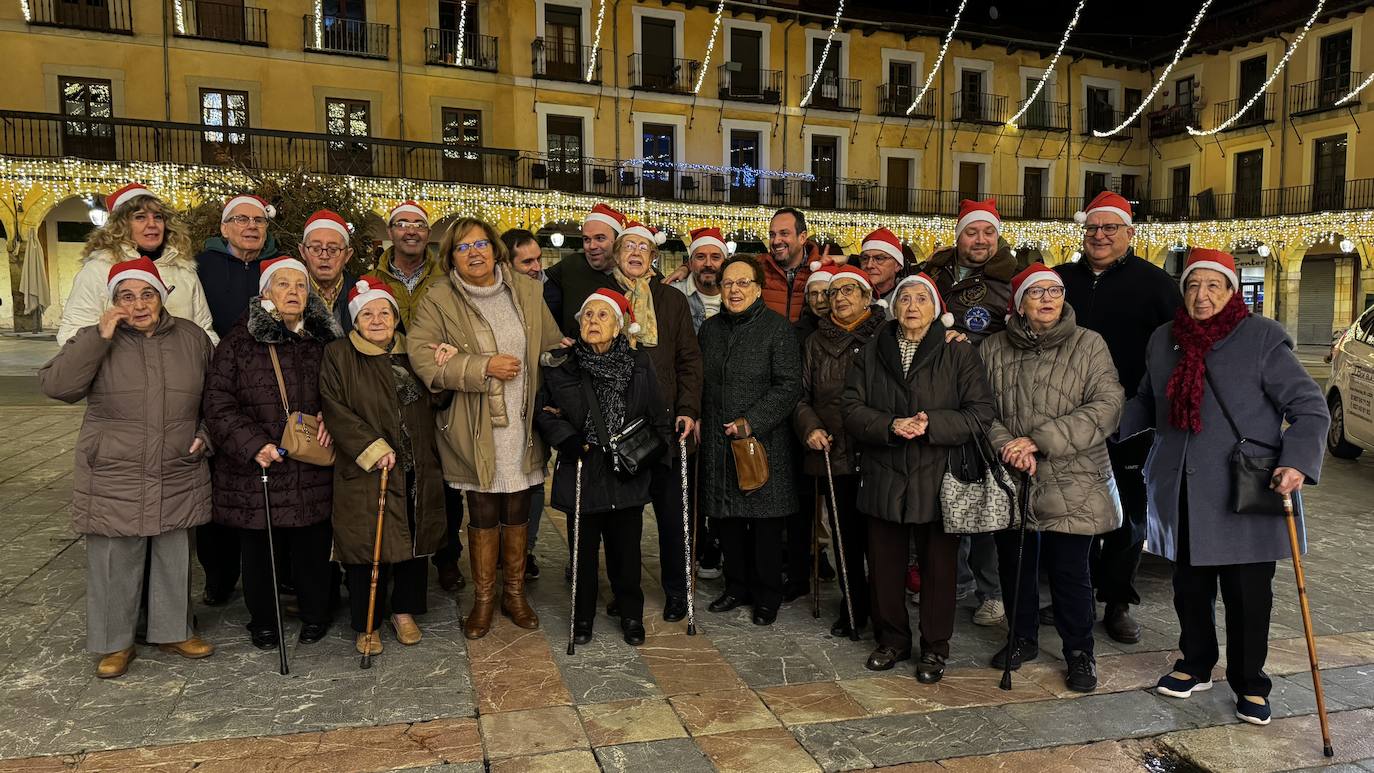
{"x":1235,"y":429}
{"x":281,"y":383}
{"x":595,"y":407}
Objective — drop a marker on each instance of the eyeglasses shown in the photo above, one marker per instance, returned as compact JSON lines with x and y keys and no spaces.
{"x":1038,"y":293}
{"x":636,"y":246}
{"x":1109,"y":229}
{"x":243,"y":220}
{"x":463,"y":247}
{"x":410,"y":225}
{"x":129,"y":299}
{"x":848,"y":291}
{"x":876,"y":259}
{"x":742,"y":284}
{"x":316,"y":250}
{"x":815,"y":295}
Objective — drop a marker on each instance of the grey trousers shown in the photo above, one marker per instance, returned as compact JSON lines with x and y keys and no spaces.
{"x":114,"y":584}
{"x":978,"y":566}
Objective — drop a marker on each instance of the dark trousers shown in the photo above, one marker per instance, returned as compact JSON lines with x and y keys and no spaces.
{"x":309,"y":548}
{"x":453,"y":526}
{"x":1065,"y":559}
{"x":854,"y":534}
{"x":665,"y":490}
{"x":753,"y":558}
{"x":217,"y":550}
{"x":1247,"y":590}
{"x":800,"y":527}
{"x":1116,"y":554}
{"x":938,"y":554}
{"x":407,"y":581}
{"x":620,"y":530}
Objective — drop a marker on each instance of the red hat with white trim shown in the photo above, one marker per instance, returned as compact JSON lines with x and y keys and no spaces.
{"x":922,"y":278}
{"x":618,"y":302}
{"x":270,"y":267}
{"x":636,"y":228}
{"x":326,"y":219}
{"x":884,"y":240}
{"x":139,"y":268}
{"x":125,"y":195}
{"x":1216,"y":260}
{"x":408,"y":207}
{"x":1106,"y":201}
{"x":822,"y":275}
{"x":850,"y":272}
{"x":603,"y":213}
{"x":971,"y":211}
{"x":707,"y":237}
{"x":366,"y":290}
{"x":257,"y":202}
{"x":824,"y":255}
{"x":1035,"y":272}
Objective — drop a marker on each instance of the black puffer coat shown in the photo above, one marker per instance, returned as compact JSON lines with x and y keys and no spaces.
{"x":243,"y":412}
{"x":901,"y":478}
{"x":827,"y":357}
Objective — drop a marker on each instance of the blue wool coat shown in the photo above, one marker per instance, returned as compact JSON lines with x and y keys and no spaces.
{"x":1263,"y":385}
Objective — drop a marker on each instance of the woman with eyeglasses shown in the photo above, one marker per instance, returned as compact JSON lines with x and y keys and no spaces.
{"x":752,"y":382}
{"x":1058,"y":398}
{"x":480,"y":335}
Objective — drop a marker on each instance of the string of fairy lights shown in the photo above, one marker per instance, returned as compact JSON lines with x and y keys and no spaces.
{"x":1163,"y":76}
{"x":596,"y":43}
{"x":825,"y":52}
{"x":1049,"y":70}
{"x":710,"y":46}
{"x":944,"y":47}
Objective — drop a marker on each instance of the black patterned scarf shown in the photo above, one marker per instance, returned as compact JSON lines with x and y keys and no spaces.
{"x":610,"y":372}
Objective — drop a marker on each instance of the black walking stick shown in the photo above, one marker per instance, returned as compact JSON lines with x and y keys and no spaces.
{"x":1020,"y":501}
{"x":839,"y":550}
{"x":285,"y":668}
{"x":816,"y":551}
{"x":687,"y":540}
{"x":576,"y":515}
{"x":376,"y":567}
{"x":1290,"y":502}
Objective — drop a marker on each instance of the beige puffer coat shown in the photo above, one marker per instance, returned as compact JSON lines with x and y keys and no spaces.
{"x":1060,"y":389}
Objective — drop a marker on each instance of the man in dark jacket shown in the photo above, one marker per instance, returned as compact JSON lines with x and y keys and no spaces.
{"x":577,"y":276}
{"x":325,"y":250}
{"x":1122,"y":297}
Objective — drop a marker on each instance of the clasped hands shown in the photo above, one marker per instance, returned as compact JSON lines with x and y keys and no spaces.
{"x":1020,"y":453}
{"x":911,"y":427}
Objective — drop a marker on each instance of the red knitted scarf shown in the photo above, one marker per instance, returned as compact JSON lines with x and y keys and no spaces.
{"x":1196,"y":338}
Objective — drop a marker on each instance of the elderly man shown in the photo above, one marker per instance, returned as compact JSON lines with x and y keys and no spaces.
{"x":408,"y":266}
{"x":882,"y":258}
{"x":325,"y":250}
{"x":1122,"y":297}
{"x":582,"y":273}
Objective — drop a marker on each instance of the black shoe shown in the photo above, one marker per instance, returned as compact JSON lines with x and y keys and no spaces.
{"x":765,"y":615}
{"x":726,"y":602}
{"x":826,"y":571}
{"x":450,"y":576}
{"x":793,"y":591}
{"x":930,"y":668}
{"x":531,"y":568}
{"x":582,"y":631}
{"x":633,"y":630}
{"x":1047,"y":615}
{"x":313,"y":632}
{"x":840,"y":628}
{"x":264,"y":638}
{"x":884,"y":658}
{"x":674,"y":609}
{"x":1022,"y":651}
{"x":1082,"y":675}
{"x":286,"y":589}
{"x":1120,"y":625}
{"x":214,"y":598}
{"x":613,"y":608}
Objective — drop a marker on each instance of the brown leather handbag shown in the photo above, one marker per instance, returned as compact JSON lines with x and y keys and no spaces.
{"x":751,"y":463}
{"x":300,"y":436}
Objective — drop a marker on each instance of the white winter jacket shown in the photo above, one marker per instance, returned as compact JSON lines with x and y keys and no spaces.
{"x":90,"y":297}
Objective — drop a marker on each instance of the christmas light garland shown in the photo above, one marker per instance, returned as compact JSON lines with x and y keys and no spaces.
{"x":180,"y":16}
{"x":462,"y":29}
{"x":744,"y":172}
{"x":1050,"y":69}
{"x":596,"y":44}
{"x":28,"y":12}
{"x":319,"y":25}
{"x":944,"y":47}
{"x":1368,"y":79}
{"x":1164,"y":76}
{"x":710,"y":46}
{"x":825,"y":52}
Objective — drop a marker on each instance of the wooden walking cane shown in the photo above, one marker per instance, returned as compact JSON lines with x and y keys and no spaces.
{"x":1288,"y":504}
{"x":376,"y":568}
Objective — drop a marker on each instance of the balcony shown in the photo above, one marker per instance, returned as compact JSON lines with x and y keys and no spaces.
{"x":1043,"y":115}
{"x":894,"y":99}
{"x":347,"y":37}
{"x":749,"y":85}
{"x":1104,"y":118}
{"x":832,"y":92}
{"x":980,"y":108}
{"x":1172,"y":120}
{"x":664,"y":74}
{"x":104,"y":16}
{"x":565,"y":62}
{"x":1321,"y":95}
{"x":1269,"y":202}
{"x":1260,"y":113}
{"x":224,"y":22}
{"x":478,"y":52}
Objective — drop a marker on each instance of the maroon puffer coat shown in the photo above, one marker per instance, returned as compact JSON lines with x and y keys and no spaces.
{"x":243,"y":412}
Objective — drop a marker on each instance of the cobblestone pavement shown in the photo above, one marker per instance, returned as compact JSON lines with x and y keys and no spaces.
{"x":734,"y":697}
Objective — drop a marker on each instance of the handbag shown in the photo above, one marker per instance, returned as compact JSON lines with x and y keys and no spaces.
{"x":751,"y":463}
{"x":300,"y":436}
{"x":975,"y":491}
{"x":1251,"y":474}
{"x":635,"y":447}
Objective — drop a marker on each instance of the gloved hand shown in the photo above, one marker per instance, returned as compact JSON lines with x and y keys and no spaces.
{"x":573,"y":447}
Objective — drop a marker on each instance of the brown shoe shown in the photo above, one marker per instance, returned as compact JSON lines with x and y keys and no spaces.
{"x":513,"y":603}
{"x":450,"y":576}
{"x":115,"y":664}
{"x":483,"y":547}
{"x":367,"y":642}
{"x":194,"y":648}
{"x":407,"y":632}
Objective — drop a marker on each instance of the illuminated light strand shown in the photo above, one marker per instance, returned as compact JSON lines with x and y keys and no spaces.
{"x":825,"y":52}
{"x":28,"y":12}
{"x":596,"y":44}
{"x":319,"y":25}
{"x":1283,"y":62}
{"x":1164,"y":76}
{"x":181,"y":17}
{"x":1368,"y":79}
{"x":1044,"y":78}
{"x":462,"y":30}
{"x":944,"y":47}
{"x":710,"y":46}
{"x":655,"y":164}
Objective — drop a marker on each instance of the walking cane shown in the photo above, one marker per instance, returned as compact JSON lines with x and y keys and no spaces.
{"x":686,"y":540}
{"x":696,"y":525}
{"x":839,"y":549}
{"x":1289,"y":502}
{"x":816,"y":551}
{"x":376,"y":568}
{"x":1020,"y":500}
{"x":284,"y":667}
{"x":577,"y":514}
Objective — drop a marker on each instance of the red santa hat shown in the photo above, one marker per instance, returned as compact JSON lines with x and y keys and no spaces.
{"x":821,"y":257}
{"x":1106,"y":201}
{"x":1035,"y":272}
{"x":257,"y":202}
{"x":850,"y":272}
{"x":125,"y":195}
{"x":636,"y":228}
{"x":326,"y":219}
{"x":1213,"y":259}
{"x":884,"y":240}
{"x":603,"y":213}
{"x":408,"y":207}
{"x":270,"y":267}
{"x":707,"y":237}
{"x":618,"y":302}
{"x":366,"y":290}
{"x":944,"y":316}
{"x":822,"y":275}
{"x":140,"y":268}
{"x":971,"y":211}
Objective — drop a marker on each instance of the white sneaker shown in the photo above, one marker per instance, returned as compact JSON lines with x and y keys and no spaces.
{"x":990,"y":612}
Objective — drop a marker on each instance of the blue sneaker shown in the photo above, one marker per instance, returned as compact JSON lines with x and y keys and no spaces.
{"x":1254,"y":713}
{"x":1174,"y":687}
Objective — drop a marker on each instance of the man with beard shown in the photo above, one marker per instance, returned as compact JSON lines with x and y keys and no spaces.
{"x":702,"y":284}
{"x":325,"y":251}
{"x":408,"y":266}
{"x":526,"y":256}
{"x":786,"y":265}
{"x":580,"y":274}
{"x":1122,"y":297}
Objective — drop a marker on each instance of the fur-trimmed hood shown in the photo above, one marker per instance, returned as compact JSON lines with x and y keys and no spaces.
{"x":320,"y":323}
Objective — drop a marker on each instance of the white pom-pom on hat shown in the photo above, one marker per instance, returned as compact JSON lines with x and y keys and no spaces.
{"x":633,"y":329}
{"x":882,"y":302}
{"x":361,"y":286}
{"x":815,"y":265}
{"x":660,"y":237}
{"x":947,"y":320}
{"x":1080,"y":217}
{"x":268,"y":306}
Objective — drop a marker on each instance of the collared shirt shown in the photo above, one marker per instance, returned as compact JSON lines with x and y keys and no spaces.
{"x":411,"y":281}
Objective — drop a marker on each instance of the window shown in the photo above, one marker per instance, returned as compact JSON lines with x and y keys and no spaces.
{"x":827,"y":90}
{"x":746,"y":51}
{"x":659,"y":69}
{"x":563,"y":42}
{"x":744,"y":156}
{"x":971,"y":95}
{"x":90,"y":98}
{"x":970,"y":180}
{"x":1335,"y":67}
{"x":354,"y":10}
{"x":1249,"y":183}
{"x":1183,"y":92}
{"x":1253,"y":71}
{"x":1038,"y":116}
{"x":898,"y":94}
{"x":1328,"y":173}
{"x":348,"y":118}
{"x":1100,"y":114}
{"x":1130,"y":100}
{"x":564,"y":153}
{"x":825,"y":165}
{"x":220,"y":107}
{"x":451,"y":13}
{"x":1130,"y":187}
{"x":659,"y":171}
{"x":1033,"y":191}
{"x":899,"y":198}
{"x":1093,"y":184}
{"x":462,"y":128}
{"x":1181,"y":188}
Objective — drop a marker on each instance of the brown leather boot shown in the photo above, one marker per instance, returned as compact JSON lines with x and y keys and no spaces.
{"x":513,"y":603}
{"x":483,"y":547}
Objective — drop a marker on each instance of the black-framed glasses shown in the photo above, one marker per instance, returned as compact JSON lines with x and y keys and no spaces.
{"x":316,"y":250}
{"x":1039,"y":293}
{"x":1110,"y":229}
{"x":848,"y":291}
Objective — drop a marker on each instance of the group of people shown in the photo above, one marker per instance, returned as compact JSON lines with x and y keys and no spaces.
{"x":743,"y":388}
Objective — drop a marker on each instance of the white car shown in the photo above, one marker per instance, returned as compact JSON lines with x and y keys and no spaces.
{"x":1350,"y":390}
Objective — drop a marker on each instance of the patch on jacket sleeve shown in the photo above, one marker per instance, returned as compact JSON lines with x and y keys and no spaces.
{"x":977,"y":319}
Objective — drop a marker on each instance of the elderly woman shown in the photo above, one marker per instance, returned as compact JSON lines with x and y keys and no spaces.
{"x":381,"y":419}
{"x":621,"y":381}
{"x":1259,"y":387}
{"x":246,"y":412}
{"x":827,"y":357}
{"x":1058,"y":399}
{"x":139,"y":225}
{"x":141,"y":480}
{"x":753,"y":381}
{"x":665,"y":332}
{"x":909,"y":400}
{"x":480,"y":335}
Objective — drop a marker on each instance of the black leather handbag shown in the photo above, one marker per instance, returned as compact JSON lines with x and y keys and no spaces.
{"x":634,"y":448}
{"x":1251,"y":474}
